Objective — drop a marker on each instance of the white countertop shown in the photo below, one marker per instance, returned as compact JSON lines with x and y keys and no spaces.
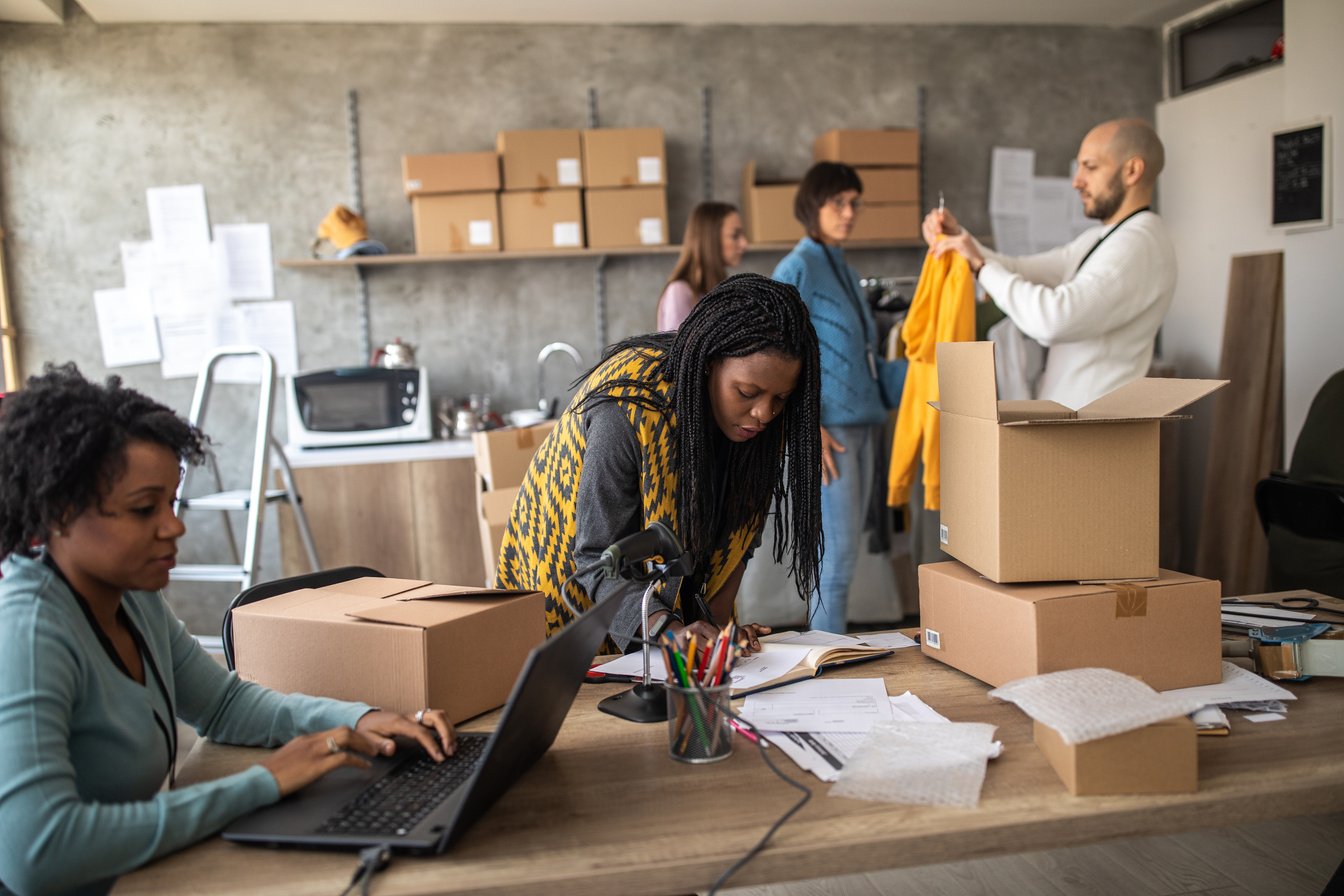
{"x":447,"y":449}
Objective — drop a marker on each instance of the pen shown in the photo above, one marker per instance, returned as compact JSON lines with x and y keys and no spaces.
{"x":742,"y":730}
{"x":941,"y":206}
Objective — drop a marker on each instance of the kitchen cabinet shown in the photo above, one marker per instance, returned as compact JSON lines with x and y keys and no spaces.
{"x":408,"y":511}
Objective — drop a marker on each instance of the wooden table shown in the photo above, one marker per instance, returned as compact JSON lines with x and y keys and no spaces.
{"x":607,"y":812}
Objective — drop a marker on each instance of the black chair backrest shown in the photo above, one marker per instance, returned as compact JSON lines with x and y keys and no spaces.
{"x":319,"y":579}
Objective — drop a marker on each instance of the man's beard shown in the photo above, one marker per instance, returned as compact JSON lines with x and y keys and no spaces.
{"x":1104,"y":206}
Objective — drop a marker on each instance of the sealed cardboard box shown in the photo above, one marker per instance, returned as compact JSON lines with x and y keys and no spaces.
{"x":398,"y":644}
{"x":456,"y":222}
{"x":541,"y":219}
{"x":540,"y":160}
{"x":1166,"y":632}
{"x":624,"y":157}
{"x":1034,"y":491}
{"x":1158,"y":758}
{"x":625,"y":217}
{"x":886,"y":222}
{"x":879,"y":147}
{"x":450,"y":172}
{"x":768,"y":209}
{"x":889,"y":184}
{"x":502,"y":455}
{"x":492,"y":510}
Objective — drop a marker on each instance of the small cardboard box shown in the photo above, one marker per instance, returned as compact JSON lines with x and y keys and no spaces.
{"x":398,"y":644}
{"x":492,"y":510}
{"x":450,"y":172}
{"x":625,"y":217}
{"x":1033,"y":491}
{"x":1166,"y":632}
{"x":880,"y":147}
{"x":540,"y":160}
{"x":1159,"y":758}
{"x":890,"y":185}
{"x":534,"y":220}
{"x":502,"y":455}
{"x":768,"y":209}
{"x":624,"y":157}
{"x":886,"y":222}
{"x":456,"y":222}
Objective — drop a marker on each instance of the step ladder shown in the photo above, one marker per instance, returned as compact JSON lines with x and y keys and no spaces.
{"x":252,"y":500}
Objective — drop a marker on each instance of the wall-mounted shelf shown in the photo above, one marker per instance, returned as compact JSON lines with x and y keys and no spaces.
{"x":369,"y":261}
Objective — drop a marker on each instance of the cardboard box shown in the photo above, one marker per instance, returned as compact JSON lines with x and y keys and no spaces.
{"x":880,"y":147}
{"x":768,"y":209}
{"x":456,"y":222}
{"x":1033,"y":491}
{"x":1158,"y":758}
{"x":398,"y":644}
{"x":450,"y":172}
{"x":502,"y":455}
{"x":541,"y":219}
{"x":625,"y":217}
{"x":540,"y":160}
{"x":890,"y":184}
{"x":492,"y":511}
{"x":886,"y":222}
{"x":624,"y":157}
{"x":1166,"y":632}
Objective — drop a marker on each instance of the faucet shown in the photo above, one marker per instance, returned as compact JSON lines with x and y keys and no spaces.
{"x":543,"y":404}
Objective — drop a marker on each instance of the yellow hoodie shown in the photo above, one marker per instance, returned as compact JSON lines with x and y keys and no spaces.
{"x":943,"y":310}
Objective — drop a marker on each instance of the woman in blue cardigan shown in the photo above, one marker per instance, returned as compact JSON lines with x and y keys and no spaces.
{"x":95,"y":669}
{"x":858,"y":387}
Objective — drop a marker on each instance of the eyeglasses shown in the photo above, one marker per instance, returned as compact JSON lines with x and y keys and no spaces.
{"x":839,"y":204}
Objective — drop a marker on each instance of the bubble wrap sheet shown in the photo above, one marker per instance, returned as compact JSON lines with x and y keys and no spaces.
{"x":925,"y":763}
{"x":1087,"y":704}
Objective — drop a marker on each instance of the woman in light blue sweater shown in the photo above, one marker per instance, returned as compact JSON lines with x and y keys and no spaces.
{"x":95,"y":669}
{"x":858,"y":387}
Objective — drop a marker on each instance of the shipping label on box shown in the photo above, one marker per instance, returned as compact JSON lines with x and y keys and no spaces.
{"x":450,"y":172}
{"x":768,"y":209}
{"x":534,"y":220}
{"x":399,"y":644}
{"x":1033,"y":491}
{"x":1166,"y":632}
{"x":1159,"y":758}
{"x":540,"y":160}
{"x":875,"y":147}
{"x":456,"y":222}
{"x":623,"y":157}
{"x":626,"y":217}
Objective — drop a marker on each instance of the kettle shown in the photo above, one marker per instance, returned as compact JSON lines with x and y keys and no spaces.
{"x":395,"y":354}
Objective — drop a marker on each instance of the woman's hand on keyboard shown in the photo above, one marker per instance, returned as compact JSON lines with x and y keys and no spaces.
{"x":382,"y":726}
{"x":306,"y":758}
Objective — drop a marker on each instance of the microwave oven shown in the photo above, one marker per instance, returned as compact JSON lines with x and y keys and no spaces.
{"x":346,"y":406}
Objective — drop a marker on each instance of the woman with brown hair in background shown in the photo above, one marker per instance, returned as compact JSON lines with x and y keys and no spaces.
{"x":714,"y":242}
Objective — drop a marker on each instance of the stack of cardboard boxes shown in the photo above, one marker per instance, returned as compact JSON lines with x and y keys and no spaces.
{"x":1053,"y":515}
{"x":458,"y":206}
{"x":502,"y":458}
{"x":887,"y":161}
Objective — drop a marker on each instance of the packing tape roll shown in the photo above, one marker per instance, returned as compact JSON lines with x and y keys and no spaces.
{"x":1130,"y":599}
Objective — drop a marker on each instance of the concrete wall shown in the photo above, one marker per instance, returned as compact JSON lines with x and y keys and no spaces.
{"x":90,"y":116}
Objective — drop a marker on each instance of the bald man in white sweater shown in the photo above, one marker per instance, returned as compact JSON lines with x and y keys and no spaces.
{"x":1097,"y":302}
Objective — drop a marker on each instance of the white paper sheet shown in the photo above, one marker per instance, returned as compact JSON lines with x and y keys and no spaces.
{"x":1051,"y":224}
{"x":185,"y":341}
{"x":820,"y":705}
{"x":1238,"y":686}
{"x":890,"y":640}
{"x":245,"y":256}
{"x":137,"y":265}
{"x":1010,"y":174}
{"x":269,"y":325}
{"x":177,"y":217}
{"x":1012,"y":234}
{"x":749,"y":671}
{"x":126,"y":326}
{"x":814,"y":638}
{"x":187,"y":280}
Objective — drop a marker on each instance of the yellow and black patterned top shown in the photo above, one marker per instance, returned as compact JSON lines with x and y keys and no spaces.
{"x":538,"y":551}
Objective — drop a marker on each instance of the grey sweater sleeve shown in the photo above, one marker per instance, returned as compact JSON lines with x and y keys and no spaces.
{"x":608,"y":508}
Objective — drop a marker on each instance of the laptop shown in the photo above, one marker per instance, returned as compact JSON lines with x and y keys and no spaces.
{"x":339,"y":811}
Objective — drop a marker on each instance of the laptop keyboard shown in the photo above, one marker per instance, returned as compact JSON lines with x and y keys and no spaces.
{"x":395,"y":803}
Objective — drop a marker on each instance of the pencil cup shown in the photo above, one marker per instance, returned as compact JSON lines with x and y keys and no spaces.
{"x":697,"y":723}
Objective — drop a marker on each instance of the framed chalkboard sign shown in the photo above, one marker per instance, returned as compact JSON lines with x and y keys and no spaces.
{"x":1302,"y":175}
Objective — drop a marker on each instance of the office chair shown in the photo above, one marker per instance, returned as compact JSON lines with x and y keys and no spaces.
{"x":319,"y":579}
{"x":1302,"y":510}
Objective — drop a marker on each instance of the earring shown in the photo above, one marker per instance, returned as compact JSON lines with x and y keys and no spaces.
{"x":59,"y":533}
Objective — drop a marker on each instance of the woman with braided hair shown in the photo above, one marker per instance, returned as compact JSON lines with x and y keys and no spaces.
{"x":702,"y":430}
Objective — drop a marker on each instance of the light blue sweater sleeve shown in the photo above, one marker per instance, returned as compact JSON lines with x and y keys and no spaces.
{"x":79,"y":775}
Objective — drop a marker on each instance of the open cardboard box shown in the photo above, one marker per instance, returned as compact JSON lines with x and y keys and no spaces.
{"x":1159,"y":758}
{"x":1033,"y":491}
{"x":398,"y":644}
